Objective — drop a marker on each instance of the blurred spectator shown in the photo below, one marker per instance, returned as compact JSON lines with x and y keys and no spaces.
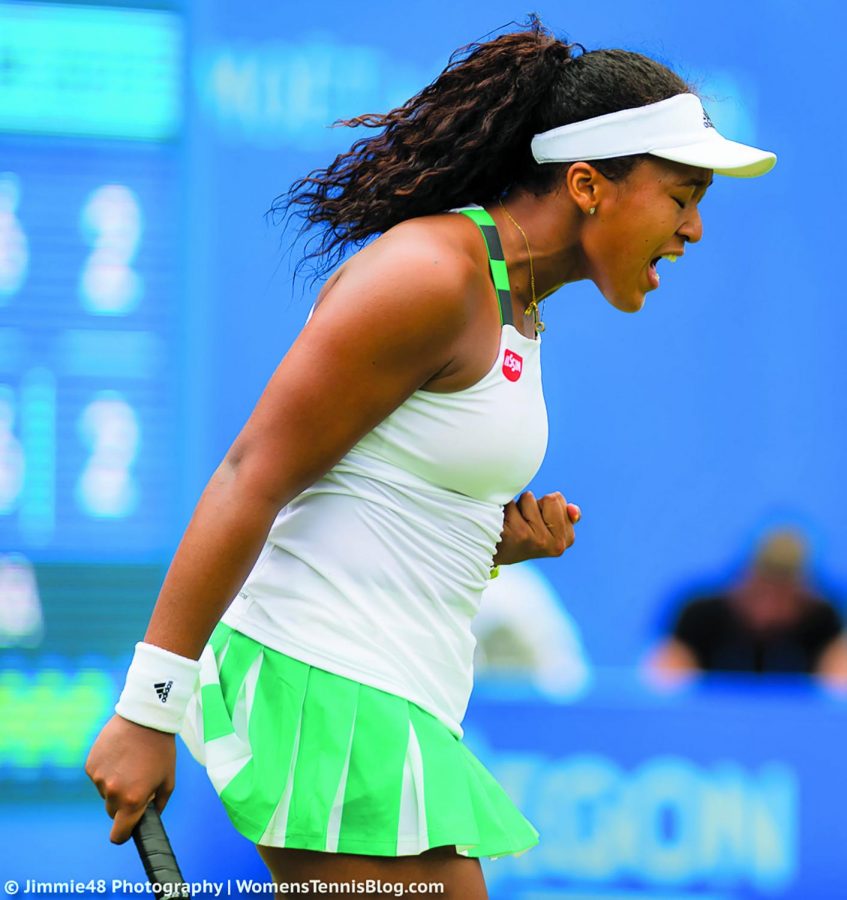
{"x":524,"y":632}
{"x":771,"y":622}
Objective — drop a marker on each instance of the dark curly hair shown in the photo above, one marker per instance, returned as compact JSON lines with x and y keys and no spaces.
{"x":465,"y":138}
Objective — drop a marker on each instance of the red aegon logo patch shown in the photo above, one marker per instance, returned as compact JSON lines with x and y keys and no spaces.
{"x":512,"y":365}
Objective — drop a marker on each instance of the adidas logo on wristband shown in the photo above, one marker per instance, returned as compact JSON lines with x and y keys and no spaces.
{"x":163,"y":688}
{"x":174,"y":679}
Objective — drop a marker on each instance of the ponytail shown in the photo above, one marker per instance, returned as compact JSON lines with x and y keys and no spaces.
{"x":465,"y":138}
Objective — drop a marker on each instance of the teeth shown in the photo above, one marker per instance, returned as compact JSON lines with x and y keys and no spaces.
{"x":670,"y":257}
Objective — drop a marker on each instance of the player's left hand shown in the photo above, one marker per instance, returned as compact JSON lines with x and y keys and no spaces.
{"x":533,"y":529}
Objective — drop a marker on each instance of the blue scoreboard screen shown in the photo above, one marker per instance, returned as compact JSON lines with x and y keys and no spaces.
{"x":91,"y":120}
{"x":89,"y":279}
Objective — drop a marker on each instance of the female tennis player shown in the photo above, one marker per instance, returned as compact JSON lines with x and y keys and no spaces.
{"x":328,"y":578}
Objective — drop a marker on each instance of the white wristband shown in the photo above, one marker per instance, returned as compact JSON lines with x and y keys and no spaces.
{"x":158,"y":686}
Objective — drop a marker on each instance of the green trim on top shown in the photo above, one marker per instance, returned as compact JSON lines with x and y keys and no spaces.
{"x":496,"y":260}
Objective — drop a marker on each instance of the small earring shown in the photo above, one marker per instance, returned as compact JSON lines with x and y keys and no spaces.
{"x":592,"y":210}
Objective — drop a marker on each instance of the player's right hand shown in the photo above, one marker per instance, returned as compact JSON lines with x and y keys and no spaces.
{"x":534,"y":529}
{"x":131,"y":765}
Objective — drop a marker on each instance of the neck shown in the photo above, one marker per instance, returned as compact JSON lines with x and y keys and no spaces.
{"x":552,"y":230}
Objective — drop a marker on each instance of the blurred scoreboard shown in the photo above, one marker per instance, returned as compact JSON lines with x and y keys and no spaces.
{"x":91,"y":230}
{"x":91,"y":112}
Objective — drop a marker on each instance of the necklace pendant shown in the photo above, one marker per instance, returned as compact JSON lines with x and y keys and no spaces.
{"x":539,"y":327}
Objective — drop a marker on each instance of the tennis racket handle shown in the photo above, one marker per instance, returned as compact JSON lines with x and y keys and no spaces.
{"x":156,"y":854}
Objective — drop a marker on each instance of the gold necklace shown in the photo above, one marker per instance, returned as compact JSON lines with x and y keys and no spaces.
{"x":532,"y":309}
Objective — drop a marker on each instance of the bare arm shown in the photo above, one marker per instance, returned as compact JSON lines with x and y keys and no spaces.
{"x":219,"y":547}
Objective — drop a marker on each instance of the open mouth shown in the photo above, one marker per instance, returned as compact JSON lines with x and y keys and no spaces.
{"x":652,"y":273}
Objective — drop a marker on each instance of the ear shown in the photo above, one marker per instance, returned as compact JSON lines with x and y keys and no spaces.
{"x":585,"y":185}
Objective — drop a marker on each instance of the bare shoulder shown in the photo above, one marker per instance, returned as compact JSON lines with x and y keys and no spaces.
{"x":428,"y":266}
{"x":420,"y":292}
{"x":447,"y":240}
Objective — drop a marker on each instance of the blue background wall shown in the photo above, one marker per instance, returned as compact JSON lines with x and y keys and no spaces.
{"x":683,"y":431}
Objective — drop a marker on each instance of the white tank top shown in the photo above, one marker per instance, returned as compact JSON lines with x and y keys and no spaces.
{"x":376,"y":571}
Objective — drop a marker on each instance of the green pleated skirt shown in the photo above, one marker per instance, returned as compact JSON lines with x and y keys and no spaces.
{"x":305,"y":759}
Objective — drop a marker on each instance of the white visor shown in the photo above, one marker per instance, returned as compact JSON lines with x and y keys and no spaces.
{"x":678,"y":129}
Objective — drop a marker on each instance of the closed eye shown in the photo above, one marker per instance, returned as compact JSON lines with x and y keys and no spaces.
{"x":679,"y":203}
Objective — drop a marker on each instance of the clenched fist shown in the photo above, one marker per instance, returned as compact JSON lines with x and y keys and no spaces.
{"x":533,"y":529}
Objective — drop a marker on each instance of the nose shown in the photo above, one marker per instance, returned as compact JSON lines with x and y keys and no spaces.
{"x":692,"y":228}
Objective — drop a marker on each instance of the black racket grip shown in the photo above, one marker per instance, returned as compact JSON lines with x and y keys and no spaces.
{"x":156,"y":853}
